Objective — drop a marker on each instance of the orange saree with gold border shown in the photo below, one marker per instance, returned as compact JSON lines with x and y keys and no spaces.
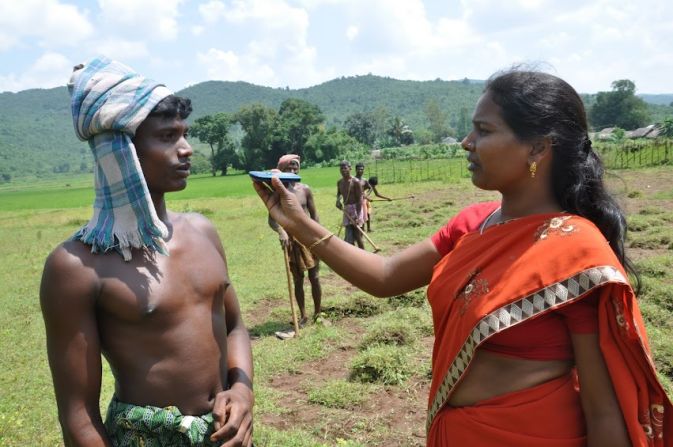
{"x":515,"y":272}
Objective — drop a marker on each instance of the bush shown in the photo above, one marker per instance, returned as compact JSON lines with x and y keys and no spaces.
{"x":388,"y":365}
{"x":387,"y":331}
{"x":356,"y":306}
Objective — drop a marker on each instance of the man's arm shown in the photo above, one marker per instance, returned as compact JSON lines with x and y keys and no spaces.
{"x":282,"y":234}
{"x":357,"y":195}
{"x":68,"y":296}
{"x":232,"y":411}
{"x":376,"y":193}
{"x":310,"y":205}
{"x":338,"y":197}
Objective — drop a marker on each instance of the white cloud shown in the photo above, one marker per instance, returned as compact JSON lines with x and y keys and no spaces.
{"x":352,"y":32}
{"x":274,"y":50}
{"x":121,"y":49}
{"x":212,"y":11}
{"x":198,"y":30}
{"x":49,"y":70}
{"x":151,"y":19}
{"x":53,"y":23}
{"x":228,"y":66}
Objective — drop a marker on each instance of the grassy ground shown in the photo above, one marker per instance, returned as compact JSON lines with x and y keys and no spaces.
{"x":315,"y":390}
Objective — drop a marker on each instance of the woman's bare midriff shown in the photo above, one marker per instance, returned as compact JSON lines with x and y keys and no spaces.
{"x":491,"y":375}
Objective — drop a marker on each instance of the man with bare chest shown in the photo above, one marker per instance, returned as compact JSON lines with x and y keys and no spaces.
{"x":368,"y":186}
{"x":301,"y":259}
{"x":350,"y":188}
{"x":145,"y":287}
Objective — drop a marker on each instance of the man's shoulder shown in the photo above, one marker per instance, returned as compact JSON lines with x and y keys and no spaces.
{"x":70,"y":255}
{"x":192,"y":219}
{"x":191,"y":223}
{"x":72,"y":267}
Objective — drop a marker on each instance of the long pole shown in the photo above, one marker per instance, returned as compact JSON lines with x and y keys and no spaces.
{"x":290,"y":291}
{"x":350,"y":219}
{"x":394,"y":198}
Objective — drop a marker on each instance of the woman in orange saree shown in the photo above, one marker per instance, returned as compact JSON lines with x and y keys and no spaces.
{"x":528,"y":268}
{"x":538,"y":336}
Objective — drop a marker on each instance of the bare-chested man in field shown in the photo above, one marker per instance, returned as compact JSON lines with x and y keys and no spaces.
{"x":301,"y":258}
{"x":147,"y":288}
{"x":350,"y":188}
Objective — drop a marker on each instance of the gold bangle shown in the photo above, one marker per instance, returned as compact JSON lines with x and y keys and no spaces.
{"x":320,"y":241}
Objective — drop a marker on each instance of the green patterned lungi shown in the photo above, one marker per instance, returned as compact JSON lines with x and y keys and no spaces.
{"x":129,"y":425}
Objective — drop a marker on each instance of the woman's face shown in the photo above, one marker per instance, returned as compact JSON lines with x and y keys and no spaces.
{"x":498,"y":160}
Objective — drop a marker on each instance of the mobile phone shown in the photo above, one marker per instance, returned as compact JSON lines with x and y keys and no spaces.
{"x":266,"y":176}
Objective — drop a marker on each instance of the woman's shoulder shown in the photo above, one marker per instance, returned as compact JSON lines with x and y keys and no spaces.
{"x":474,"y":214}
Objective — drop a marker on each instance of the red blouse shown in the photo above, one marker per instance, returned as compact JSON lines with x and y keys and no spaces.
{"x":543,"y":338}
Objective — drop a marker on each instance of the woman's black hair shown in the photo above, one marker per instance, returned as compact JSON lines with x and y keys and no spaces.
{"x":538,"y":105}
{"x":172,"y":106}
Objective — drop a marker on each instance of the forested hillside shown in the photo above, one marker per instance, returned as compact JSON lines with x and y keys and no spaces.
{"x":36,"y":136}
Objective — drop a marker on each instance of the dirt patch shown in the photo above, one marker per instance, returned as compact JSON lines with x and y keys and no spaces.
{"x":394,"y":416}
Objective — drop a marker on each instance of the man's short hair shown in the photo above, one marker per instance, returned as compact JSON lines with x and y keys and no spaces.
{"x":373,"y":180}
{"x":359,"y":165}
{"x":345,"y":163}
{"x":172,"y":106}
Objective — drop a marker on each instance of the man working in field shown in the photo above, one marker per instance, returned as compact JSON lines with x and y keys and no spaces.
{"x":368,"y":186}
{"x":350,"y":189}
{"x":169,"y":325}
{"x":301,"y":259}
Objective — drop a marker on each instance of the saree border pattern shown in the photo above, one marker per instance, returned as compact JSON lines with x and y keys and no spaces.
{"x":549,"y":297}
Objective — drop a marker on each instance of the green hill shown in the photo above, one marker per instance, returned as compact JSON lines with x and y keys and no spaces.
{"x":37,"y":139}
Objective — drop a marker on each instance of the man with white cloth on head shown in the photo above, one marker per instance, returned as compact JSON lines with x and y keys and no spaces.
{"x":145,"y":287}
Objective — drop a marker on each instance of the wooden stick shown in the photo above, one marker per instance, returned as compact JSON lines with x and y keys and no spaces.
{"x":350,"y":219}
{"x":290,"y":291}
{"x":394,"y":198}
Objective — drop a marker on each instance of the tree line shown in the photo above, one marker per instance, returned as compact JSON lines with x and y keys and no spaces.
{"x":256,"y":136}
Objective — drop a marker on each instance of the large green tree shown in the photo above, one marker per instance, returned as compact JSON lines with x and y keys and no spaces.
{"x":437,"y":121}
{"x":619,"y":108}
{"x":296,"y":121}
{"x":400,"y":133}
{"x":332,"y":144}
{"x":667,"y":127}
{"x":361,"y":126}
{"x":258,"y":122}
{"x":214,"y":130}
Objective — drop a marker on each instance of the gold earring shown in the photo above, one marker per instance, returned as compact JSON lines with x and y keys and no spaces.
{"x":533,"y":169}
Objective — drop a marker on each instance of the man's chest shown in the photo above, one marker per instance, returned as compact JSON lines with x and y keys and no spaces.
{"x":165,"y":285}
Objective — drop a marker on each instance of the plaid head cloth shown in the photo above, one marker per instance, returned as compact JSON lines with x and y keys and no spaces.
{"x":109,"y":101}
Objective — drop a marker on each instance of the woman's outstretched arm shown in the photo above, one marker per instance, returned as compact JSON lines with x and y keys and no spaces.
{"x":377,"y":275}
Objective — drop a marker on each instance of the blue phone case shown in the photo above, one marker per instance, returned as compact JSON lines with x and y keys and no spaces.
{"x":265,"y":176}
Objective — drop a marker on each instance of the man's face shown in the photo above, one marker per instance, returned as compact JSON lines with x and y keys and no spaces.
{"x":345,"y":170}
{"x":292,"y":167}
{"x":163,"y":152}
{"x":359,"y":170}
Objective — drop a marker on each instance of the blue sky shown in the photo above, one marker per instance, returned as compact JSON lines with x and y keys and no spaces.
{"x":299,"y":43}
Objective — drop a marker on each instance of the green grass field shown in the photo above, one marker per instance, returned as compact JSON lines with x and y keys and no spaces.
{"x":309,"y":391}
